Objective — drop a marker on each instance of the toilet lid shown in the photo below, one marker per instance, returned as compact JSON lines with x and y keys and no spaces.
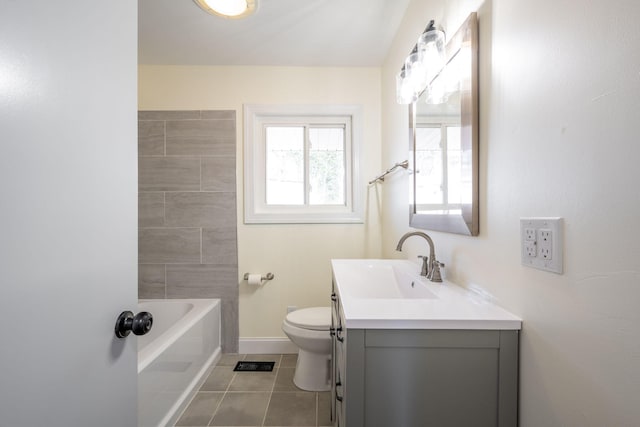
{"x":315,"y":318}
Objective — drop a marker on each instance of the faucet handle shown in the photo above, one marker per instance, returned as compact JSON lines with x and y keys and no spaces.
{"x":435,"y":275}
{"x":425,"y":265}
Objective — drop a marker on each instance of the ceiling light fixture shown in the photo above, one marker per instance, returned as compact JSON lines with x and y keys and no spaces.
{"x":234,"y":9}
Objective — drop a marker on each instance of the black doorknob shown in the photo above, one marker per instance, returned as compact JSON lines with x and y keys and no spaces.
{"x":139,"y":324}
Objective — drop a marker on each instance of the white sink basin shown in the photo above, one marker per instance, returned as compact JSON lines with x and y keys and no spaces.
{"x":371,"y":279}
{"x":391,"y":294}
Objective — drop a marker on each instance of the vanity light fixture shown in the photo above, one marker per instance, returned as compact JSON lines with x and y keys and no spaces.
{"x":234,"y":9}
{"x":422,"y":65}
{"x":404,"y":89}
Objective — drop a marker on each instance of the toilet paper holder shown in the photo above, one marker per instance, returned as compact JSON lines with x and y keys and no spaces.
{"x":269,"y":276}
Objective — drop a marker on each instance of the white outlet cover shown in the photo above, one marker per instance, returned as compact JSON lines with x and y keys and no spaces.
{"x":553,"y":224}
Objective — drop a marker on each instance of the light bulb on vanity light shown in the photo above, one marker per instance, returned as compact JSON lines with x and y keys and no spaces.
{"x":431,"y":49}
{"x":405,"y":94}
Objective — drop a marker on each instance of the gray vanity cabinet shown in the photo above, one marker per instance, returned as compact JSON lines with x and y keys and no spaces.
{"x":420,"y":378}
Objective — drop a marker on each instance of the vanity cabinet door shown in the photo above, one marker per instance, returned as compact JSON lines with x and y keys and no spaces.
{"x":444,"y":378}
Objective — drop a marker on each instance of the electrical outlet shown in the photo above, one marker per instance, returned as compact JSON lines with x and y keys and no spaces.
{"x":546,"y":245}
{"x":541,"y":243}
{"x":530,"y":249}
{"x":530,"y":234}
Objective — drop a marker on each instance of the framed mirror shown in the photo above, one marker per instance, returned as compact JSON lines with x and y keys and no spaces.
{"x":443,"y":136}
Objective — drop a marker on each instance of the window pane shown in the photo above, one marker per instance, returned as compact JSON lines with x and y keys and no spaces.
{"x":326,"y":166}
{"x":454,"y":165}
{"x":428,"y":166}
{"x":285,"y":165}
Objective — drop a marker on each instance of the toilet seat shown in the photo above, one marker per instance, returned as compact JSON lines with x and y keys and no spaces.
{"x":314,"y":318}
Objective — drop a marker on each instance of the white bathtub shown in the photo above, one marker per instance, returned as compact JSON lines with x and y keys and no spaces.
{"x":175,"y":355}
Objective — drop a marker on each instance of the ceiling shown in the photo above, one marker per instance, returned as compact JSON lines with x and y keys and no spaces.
{"x":281,"y":32}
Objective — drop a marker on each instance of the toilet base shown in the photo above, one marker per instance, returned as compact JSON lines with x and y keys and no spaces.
{"x":313,"y":371}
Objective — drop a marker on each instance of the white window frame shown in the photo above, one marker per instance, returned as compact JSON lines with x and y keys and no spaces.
{"x":256,"y":118}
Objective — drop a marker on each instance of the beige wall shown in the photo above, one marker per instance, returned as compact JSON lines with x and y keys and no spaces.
{"x":559,"y":108}
{"x":298,"y":255}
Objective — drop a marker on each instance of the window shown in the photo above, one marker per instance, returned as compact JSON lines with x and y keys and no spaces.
{"x":438,"y":159}
{"x":302,"y":164}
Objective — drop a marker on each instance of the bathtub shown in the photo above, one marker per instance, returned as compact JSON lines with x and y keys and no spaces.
{"x":173,"y":358}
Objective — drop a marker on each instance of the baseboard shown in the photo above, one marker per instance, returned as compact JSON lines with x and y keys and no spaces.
{"x":266,"y":346}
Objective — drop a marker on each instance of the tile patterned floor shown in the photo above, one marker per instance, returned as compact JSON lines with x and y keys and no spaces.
{"x":255,"y":399}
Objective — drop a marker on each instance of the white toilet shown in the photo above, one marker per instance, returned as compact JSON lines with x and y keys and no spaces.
{"x":308,"y":328}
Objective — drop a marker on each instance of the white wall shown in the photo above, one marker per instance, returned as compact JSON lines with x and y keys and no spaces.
{"x":298,"y":255}
{"x":559,"y":108}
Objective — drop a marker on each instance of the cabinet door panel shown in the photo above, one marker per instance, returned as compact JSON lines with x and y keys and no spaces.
{"x":419,"y":387}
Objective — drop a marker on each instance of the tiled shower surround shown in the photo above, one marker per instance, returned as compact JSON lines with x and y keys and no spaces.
{"x":187,"y":244}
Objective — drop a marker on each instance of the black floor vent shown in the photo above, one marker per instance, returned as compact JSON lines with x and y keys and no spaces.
{"x":248,"y":366}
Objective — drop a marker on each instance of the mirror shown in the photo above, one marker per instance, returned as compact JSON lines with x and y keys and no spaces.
{"x":443,"y":134}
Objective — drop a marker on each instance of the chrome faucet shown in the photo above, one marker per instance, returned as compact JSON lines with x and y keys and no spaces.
{"x":430,"y":266}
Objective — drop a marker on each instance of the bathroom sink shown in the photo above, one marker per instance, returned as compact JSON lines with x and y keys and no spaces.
{"x":387,"y":279}
{"x":391,"y":294}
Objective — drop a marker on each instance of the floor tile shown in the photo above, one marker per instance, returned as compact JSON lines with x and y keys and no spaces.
{"x":289,"y":360}
{"x":253,"y":381}
{"x":284,"y":380}
{"x":324,"y":409}
{"x":252,"y":398}
{"x":219,"y":379}
{"x":241,"y":409}
{"x":230,"y":359}
{"x":291,"y":409}
{"x":200,"y":410}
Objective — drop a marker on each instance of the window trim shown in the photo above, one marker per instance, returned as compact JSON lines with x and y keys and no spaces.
{"x":256,"y":211}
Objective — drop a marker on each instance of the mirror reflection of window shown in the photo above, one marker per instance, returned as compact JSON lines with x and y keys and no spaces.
{"x":429,"y":164}
{"x":454,"y":165}
{"x":438,"y":161}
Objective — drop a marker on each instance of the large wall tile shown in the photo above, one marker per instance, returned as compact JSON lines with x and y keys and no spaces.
{"x":219,"y":174}
{"x":168,"y":174}
{"x":151,"y":138}
{"x":202,"y":281}
{"x":151,"y":209}
{"x":230,"y":325}
{"x":169,"y":115}
{"x":210,"y":281}
{"x":218,"y":114}
{"x":151,"y":281}
{"x":201,"y":137}
{"x":187,"y":244}
{"x":169,"y":245}
{"x":200,"y":209}
{"x":219,"y":245}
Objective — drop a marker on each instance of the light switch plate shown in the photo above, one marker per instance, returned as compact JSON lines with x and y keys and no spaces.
{"x":541,"y":243}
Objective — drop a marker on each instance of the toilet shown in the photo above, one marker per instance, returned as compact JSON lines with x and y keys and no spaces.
{"x":308,"y":329}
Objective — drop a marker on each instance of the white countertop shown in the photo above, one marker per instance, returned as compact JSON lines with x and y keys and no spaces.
{"x":390,"y":294}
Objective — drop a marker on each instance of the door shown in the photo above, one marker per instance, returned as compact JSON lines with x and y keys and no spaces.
{"x":68,"y":212}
